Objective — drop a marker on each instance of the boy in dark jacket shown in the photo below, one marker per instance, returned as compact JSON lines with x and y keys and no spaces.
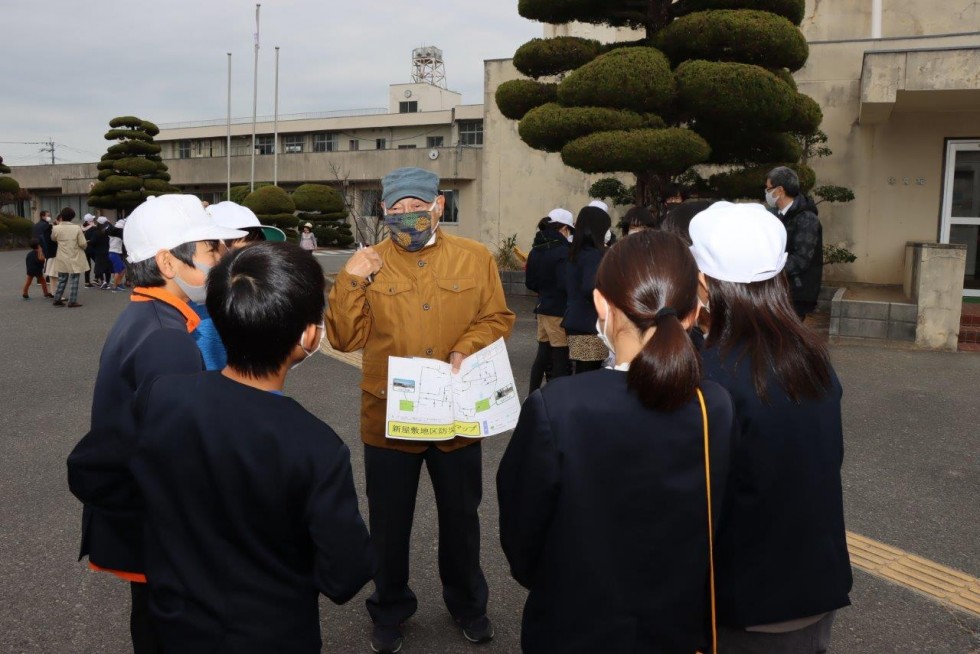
{"x":170,"y":244}
{"x":250,"y":503}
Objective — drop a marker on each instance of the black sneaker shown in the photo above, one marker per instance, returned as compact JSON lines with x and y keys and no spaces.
{"x":386,"y":640}
{"x":479,"y":630}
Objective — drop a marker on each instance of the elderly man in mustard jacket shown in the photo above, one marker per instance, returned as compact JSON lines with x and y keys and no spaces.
{"x":421,"y":293}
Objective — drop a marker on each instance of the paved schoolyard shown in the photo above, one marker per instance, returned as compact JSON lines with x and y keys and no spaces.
{"x":912,"y":478}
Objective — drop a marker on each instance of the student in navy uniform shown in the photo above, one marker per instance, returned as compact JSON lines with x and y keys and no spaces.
{"x":169,"y":243}
{"x":546,"y":276}
{"x":783,"y":567}
{"x":250,"y":503}
{"x":588,"y":245}
{"x":603,"y":491}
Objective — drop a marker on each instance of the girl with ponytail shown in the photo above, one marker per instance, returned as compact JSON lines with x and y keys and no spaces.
{"x":603,"y":489}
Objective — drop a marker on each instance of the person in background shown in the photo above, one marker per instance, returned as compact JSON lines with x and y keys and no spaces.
{"x":98,"y":251}
{"x":246,"y":532}
{"x":171,"y":243}
{"x":71,"y":261}
{"x":603,"y":493}
{"x":781,"y":553}
{"x":586,"y":350}
{"x":42,"y":232}
{"x":677,"y":221}
{"x":804,"y":237}
{"x":35,"y":270}
{"x":420,"y":293}
{"x":307,"y":240}
{"x":637,"y":219}
{"x":545,"y":275}
{"x":117,"y":264}
{"x":229,"y":215}
{"x":88,"y":228}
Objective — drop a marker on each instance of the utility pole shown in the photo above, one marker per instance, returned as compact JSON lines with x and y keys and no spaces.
{"x":228,"y":135}
{"x":275,"y":129}
{"x":50,"y":148}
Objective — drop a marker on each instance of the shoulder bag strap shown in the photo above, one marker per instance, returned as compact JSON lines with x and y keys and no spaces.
{"x":711,"y":526}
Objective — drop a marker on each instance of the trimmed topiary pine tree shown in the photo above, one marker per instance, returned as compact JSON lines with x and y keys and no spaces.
{"x":132,"y":169}
{"x":324,"y":207}
{"x":710,"y":82}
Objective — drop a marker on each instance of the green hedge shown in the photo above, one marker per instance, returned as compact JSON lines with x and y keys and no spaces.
{"x":806,"y":116}
{"x":135,"y":134}
{"x":550,"y":127}
{"x":9,"y":185}
{"x":136,"y":166}
{"x":547,"y":57}
{"x":750,"y":182}
{"x":126,"y":121}
{"x":17,"y":227}
{"x":159,"y":186}
{"x":638,"y":79}
{"x":516,"y":97}
{"x":665,"y":151}
{"x":792,"y":10}
{"x":269,"y":200}
{"x":239,"y":193}
{"x":284,"y":221}
{"x":149,"y":128}
{"x":134,"y":147}
{"x":319,"y":198}
{"x":736,"y":95}
{"x":745,"y":36}
{"x":755,"y":146}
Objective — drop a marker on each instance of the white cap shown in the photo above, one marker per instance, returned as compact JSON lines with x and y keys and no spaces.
{"x":563,"y":216}
{"x":102,"y":220}
{"x":88,"y":218}
{"x":164,"y":222}
{"x":740,"y":243}
{"x":232,"y":215}
{"x":600,"y":204}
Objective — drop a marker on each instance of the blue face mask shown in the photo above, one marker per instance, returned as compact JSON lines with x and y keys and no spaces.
{"x":413,"y":230}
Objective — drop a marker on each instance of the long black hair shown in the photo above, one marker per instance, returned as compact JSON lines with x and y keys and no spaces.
{"x":591,"y":226}
{"x":651,"y":277}
{"x":758,"y":319}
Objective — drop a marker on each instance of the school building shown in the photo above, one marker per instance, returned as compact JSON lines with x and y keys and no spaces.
{"x":899,"y":88}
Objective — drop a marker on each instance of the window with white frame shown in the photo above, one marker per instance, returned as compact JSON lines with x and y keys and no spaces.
{"x":325,"y":142}
{"x":411,"y":146}
{"x":408,"y":107}
{"x":354,"y":144}
{"x":183,"y":149}
{"x":433,"y":142}
{"x":380,"y":144}
{"x":293,"y":142}
{"x":370,"y":202}
{"x":471,"y":132}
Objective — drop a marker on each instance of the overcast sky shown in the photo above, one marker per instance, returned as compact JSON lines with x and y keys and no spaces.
{"x":72,"y":65}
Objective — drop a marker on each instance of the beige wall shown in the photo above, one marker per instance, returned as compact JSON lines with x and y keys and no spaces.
{"x":835,"y":20}
{"x":521,"y":185}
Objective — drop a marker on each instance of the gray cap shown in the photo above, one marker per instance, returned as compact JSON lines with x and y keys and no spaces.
{"x":409,"y":183}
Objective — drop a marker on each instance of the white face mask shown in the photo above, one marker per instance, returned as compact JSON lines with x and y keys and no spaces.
{"x":196,"y":294}
{"x":323,"y":332}
{"x":770,"y":198}
{"x":609,"y":236}
{"x":601,"y":330}
{"x":570,"y":237}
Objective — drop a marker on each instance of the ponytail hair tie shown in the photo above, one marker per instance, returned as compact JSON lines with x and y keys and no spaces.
{"x":666,"y":311}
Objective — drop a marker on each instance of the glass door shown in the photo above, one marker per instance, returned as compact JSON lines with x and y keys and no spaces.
{"x":961,"y":207}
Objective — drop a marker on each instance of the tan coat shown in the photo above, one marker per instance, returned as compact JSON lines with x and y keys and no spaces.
{"x":71,"y":249}
{"x":444,"y":298}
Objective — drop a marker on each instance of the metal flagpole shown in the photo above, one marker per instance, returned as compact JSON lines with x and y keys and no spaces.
{"x":228,"y":142}
{"x":275,"y":129}
{"x":255,"y":96}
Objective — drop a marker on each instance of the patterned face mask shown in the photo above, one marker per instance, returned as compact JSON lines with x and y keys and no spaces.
{"x":413,"y":230}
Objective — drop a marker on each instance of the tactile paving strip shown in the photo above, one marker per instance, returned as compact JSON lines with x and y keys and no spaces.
{"x":952,"y":587}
